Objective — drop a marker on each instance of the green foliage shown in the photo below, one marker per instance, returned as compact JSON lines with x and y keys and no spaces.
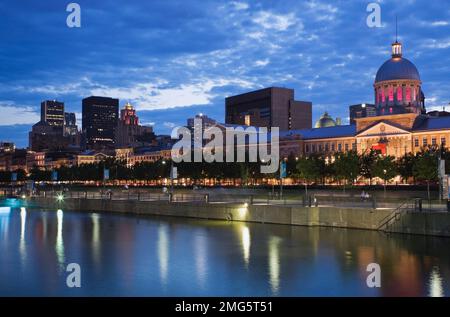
{"x":346,"y":166}
{"x":385,"y":168}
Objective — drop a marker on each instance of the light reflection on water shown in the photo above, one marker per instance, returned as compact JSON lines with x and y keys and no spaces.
{"x":123,"y":255}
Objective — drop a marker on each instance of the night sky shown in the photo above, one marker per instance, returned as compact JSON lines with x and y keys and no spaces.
{"x":174,"y":58}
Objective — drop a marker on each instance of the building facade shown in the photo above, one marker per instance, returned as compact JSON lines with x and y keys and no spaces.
{"x":129,"y":132}
{"x":361,"y":110}
{"x":269,"y":107}
{"x":52,"y":113}
{"x":99,"y":122}
{"x":400,"y":125}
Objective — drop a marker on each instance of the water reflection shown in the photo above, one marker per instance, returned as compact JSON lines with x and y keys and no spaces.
{"x":22,"y":246}
{"x":180,"y":257}
{"x":274,"y":264}
{"x":245,"y":236}
{"x":163,"y":252}
{"x":59,"y":246}
{"x":95,"y":242}
{"x":435,"y":283}
{"x":200,"y":247}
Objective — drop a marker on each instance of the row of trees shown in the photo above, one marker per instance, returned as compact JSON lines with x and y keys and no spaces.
{"x":347,"y":168}
{"x":344,"y":168}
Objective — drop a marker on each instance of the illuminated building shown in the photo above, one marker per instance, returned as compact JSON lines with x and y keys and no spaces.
{"x":52,"y":112}
{"x":99,"y":122}
{"x":129,"y":132}
{"x":400,"y":125}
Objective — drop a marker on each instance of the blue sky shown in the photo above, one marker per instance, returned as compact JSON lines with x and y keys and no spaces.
{"x":175,"y":58}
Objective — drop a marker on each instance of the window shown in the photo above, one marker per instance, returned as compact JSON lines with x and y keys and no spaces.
{"x":313,"y":148}
{"x":391,"y":93}
{"x":346,"y":146}
{"x":399,"y":93}
{"x":320,"y":147}
{"x":339,"y":147}
{"x":327,"y":147}
{"x":416,"y":142}
{"x":443,"y":141}
{"x":333,"y":147}
{"x":307,"y":148}
{"x":424,"y":142}
{"x":433,"y":141}
{"x":354,"y":146}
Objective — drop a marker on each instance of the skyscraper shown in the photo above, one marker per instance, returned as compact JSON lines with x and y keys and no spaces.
{"x":269,"y":107}
{"x":70,"y":124}
{"x":100,"y":115}
{"x":52,"y":112}
{"x":129,"y":132}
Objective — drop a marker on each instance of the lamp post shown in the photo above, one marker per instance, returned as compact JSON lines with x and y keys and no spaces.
{"x":384,"y":172}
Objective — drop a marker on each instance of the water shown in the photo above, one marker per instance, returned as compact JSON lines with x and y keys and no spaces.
{"x":150,"y":256}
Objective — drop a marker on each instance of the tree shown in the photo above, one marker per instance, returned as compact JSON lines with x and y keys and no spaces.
{"x":346,"y":166}
{"x":367,"y":160}
{"x":385,"y":168}
{"x":405,"y":166}
{"x":425,"y":168}
{"x":309,"y":169}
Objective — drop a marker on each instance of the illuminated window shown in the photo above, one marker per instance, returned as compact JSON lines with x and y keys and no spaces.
{"x":443,"y":141}
{"x":414,"y":94}
{"x":391,"y":93}
{"x":383,"y":97}
{"x":247,"y":120}
{"x":424,"y":142}
{"x":399,"y":93}
{"x":390,"y":110}
{"x":408,"y":94}
{"x":416,"y":142}
{"x":354,"y":146}
{"x":380,"y":93}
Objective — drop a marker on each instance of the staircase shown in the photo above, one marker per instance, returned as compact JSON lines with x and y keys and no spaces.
{"x":395,"y":215}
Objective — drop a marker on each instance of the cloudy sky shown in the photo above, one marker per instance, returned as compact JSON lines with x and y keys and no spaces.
{"x":175,"y":58}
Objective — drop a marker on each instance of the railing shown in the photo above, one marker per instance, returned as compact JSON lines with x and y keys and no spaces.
{"x":395,"y":215}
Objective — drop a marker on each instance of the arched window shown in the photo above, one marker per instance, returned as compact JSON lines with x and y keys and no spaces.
{"x":399,"y":93}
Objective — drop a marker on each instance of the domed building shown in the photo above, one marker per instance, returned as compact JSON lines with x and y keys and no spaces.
{"x":398,"y":126}
{"x":325,"y":121}
{"x":398,"y":86}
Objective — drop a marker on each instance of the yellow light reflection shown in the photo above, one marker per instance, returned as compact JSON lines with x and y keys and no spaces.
{"x":23,"y":219}
{"x":59,"y":247}
{"x":245,"y":236}
{"x":436,"y":288}
{"x":200,"y":259}
{"x":163,"y":253}
{"x":274,"y":264}
{"x":95,"y":238}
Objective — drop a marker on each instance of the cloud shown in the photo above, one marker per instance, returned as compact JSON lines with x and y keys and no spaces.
{"x":278,"y":22}
{"x":439,"y":23}
{"x":148,"y":96}
{"x":239,"y":5}
{"x":262,"y":63}
{"x":12,"y":114}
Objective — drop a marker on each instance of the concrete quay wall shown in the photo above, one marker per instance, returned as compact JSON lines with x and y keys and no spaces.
{"x":355,"y":218}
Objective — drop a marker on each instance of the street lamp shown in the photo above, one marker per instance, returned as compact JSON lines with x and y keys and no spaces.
{"x":384,"y":172}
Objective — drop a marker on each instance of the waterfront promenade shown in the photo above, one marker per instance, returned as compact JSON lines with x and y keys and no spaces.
{"x":411,"y":216}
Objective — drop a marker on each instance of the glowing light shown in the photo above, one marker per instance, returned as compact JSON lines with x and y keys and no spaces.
{"x":59,"y":246}
{"x":60,"y":197}
{"x":245,"y":236}
{"x":24,"y":196}
{"x":435,"y":283}
{"x":163,"y":253}
{"x":5,"y":210}
{"x":274,"y":264}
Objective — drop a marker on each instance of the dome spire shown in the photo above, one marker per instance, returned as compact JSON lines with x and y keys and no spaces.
{"x":396,"y":46}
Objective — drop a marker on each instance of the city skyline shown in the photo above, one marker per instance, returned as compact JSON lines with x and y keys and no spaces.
{"x":172,"y":70}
